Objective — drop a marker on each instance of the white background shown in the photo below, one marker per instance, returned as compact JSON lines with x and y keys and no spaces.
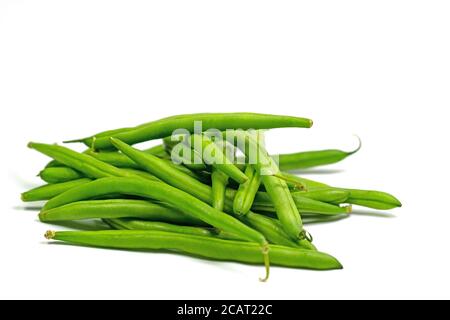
{"x":380,"y":69}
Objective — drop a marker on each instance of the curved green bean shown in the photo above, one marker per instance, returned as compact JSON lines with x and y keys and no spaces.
{"x":210,"y":248}
{"x":49,"y":191}
{"x":221,"y":121}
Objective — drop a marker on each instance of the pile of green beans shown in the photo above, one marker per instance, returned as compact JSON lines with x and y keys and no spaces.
{"x":253,"y":212}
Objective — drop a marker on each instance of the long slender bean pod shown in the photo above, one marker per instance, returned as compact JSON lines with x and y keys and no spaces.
{"x":49,"y":191}
{"x":118,"y":208}
{"x":134,"y":224}
{"x":210,"y":248}
{"x":372,"y":199}
{"x":120,"y":160}
{"x":309,"y":159}
{"x":84,"y":163}
{"x":263,"y":203}
{"x":329,"y":195}
{"x":221,"y":121}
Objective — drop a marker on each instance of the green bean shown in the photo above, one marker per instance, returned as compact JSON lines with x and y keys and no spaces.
{"x":49,"y":191}
{"x":133,"y":224}
{"x":276,"y":188}
{"x":293,"y":181}
{"x":118,"y":208}
{"x":84,"y":163}
{"x":179,"y":180}
{"x":214,"y":154}
{"x":367,"y":198}
{"x":372,"y":199}
{"x":59,"y":174}
{"x":221,"y":121}
{"x":219,"y":181}
{"x":243,"y":200}
{"x":263,"y":203}
{"x":210,"y":248}
{"x":309,"y":159}
{"x":165,"y":193}
{"x":120,"y":160}
{"x":274,"y":232}
{"x":329,"y":195}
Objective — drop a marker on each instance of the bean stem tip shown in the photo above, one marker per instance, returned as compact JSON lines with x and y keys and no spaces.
{"x":50,"y":235}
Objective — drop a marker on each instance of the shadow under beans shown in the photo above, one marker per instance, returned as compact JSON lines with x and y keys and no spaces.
{"x":315,"y":171}
{"x":28,"y":208}
{"x":372,"y":213}
{"x":316,"y":221}
{"x":222,"y":264}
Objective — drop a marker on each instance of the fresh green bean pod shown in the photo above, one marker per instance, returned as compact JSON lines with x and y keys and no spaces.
{"x":367,"y":198}
{"x":160,"y":192}
{"x":218,"y":249}
{"x":219,"y":181}
{"x":309,"y":159}
{"x":84,"y":163}
{"x":214,"y":156}
{"x":59,"y":174}
{"x":221,"y":121}
{"x":134,"y":224}
{"x":263,"y":203}
{"x":372,"y":199}
{"x":49,"y":191}
{"x":329,"y":195}
{"x":243,"y":200}
{"x":120,"y":160}
{"x":118,"y":208}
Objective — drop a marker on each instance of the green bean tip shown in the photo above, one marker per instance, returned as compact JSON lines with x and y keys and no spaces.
{"x":349,"y":208}
{"x":49,"y":235}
